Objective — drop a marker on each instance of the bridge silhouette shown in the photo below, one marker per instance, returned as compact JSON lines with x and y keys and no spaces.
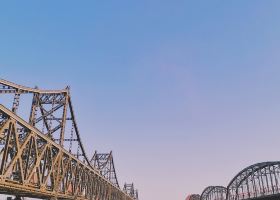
{"x":260,"y":181}
{"x":43,"y":156}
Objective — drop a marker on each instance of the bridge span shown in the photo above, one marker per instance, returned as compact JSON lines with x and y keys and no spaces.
{"x":260,"y":181}
{"x":42,"y":155}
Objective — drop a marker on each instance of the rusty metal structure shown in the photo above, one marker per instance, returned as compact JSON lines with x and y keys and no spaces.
{"x":193,"y":197}
{"x":42,"y":155}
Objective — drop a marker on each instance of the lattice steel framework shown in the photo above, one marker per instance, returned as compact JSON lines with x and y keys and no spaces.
{"x":255,"y":181}
{"x":130,"y":190}
{"x":43,"y":156}
{"x":105,"y":163}
{"x":193,"y":197}
{"x":258,"y":181}
{"x":214,"y":193}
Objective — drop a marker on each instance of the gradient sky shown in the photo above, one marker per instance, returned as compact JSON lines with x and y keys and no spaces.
{"x":185,"y":93}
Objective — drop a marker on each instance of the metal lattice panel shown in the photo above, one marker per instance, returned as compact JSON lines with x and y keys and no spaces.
{"x":105,"y":164}
{"x":255,"y":181}
{"x":214,"y":193}
{"x":44,"y":157}
{"x":129,"y":189}
{"x":193,"y":197}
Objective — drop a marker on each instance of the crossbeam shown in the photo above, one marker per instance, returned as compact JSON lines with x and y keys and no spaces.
{"x":44,"y":157}
{"x":52,"y":172}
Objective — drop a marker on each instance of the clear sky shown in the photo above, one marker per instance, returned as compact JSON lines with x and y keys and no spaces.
{"x":185,"y":93}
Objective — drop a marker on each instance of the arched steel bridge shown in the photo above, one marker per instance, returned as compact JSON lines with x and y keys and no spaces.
{"x":42,"y":155}
{"x":260,"y":181}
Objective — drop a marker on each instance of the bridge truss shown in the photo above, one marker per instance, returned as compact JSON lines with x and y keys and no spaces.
{"x":193,"y":197}
{"x":43,"y":156}
{"x":260,"y":181}
{"x":214,"y":193}
{"x":256,"y":181}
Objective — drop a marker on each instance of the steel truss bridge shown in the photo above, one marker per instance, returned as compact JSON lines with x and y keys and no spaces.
{"x":42,"y":155}
{"x":260,"y":181}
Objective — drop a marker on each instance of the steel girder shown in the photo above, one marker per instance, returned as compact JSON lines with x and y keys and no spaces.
{"x":193,"y":197}
{"x":258,"y":181}
{"x":255,"y":181}
{"x":214,"y":193}
{"x":45,"y":157}
{"x":130,"y":190}
{"x":105,"y":163}
{"x":52,"y":113}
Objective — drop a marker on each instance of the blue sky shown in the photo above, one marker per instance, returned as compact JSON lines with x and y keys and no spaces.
{"x":185,"y":93}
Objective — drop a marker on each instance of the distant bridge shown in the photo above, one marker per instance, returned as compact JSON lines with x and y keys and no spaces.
{"x":43,"y":156}
{"x":260,"y":181}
